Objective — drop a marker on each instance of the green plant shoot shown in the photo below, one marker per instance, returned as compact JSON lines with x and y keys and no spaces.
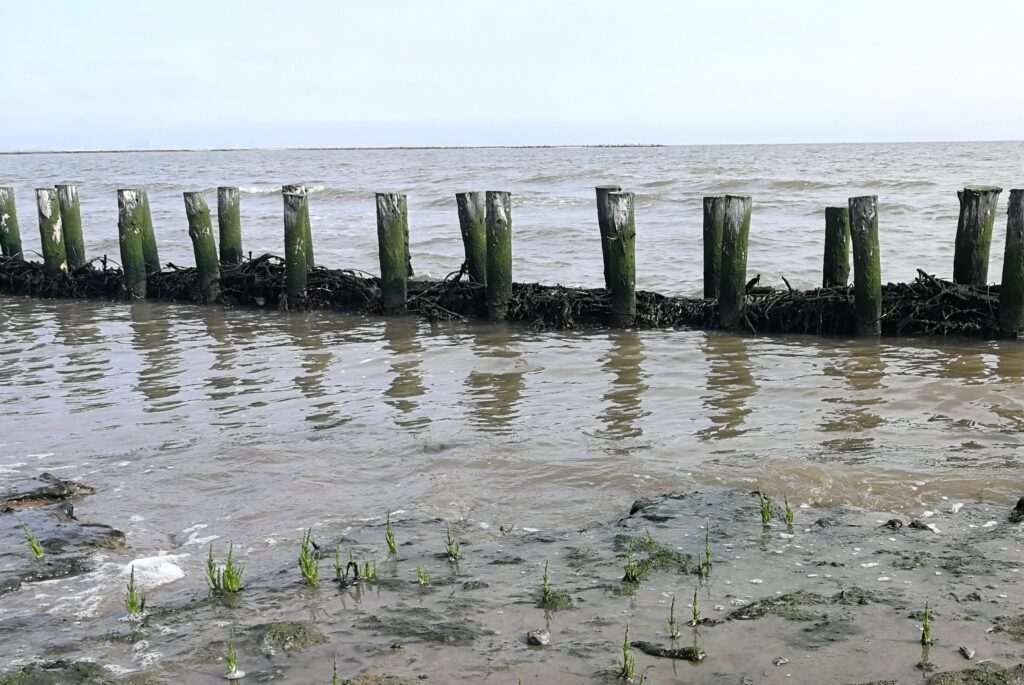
{"x":309,"y":560}
{"x":32,"y":540}
{"x":389,"y":536}
{"x":134,"y":601}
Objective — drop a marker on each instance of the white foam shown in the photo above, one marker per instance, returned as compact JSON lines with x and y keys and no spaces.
{"x":152,"y":572}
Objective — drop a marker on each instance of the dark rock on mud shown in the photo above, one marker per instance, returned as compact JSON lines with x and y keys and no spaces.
{"x":377,"y":679}
{"x":42,"y":505}
{"x":794,"y":605}
{"x":555,"y":601}
{"x":471,"y":585}
{"x":1013,"y":626}
{"x":980,"y":676}
{"x":290,"y":637}
{"x":1017,"y":515}
{"x":426,"y":625}
{"x":62,"y":672}
{"x":538,"y":638}
{"x":684,"y":653}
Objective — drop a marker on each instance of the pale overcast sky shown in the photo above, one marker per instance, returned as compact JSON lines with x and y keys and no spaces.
{"x":243,"y":73}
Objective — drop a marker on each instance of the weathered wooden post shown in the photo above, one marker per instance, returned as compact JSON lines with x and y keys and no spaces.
{"x":473,"y":223}
{"x":619,"y":236}
{"x":51,"y":232}
{"x":200,"y":230}
{"x":1011,"y":290}
{"x":602,"y":223}
{"x":836,"y":264}
{"x":71,"y":221}
{"x":307,"y":240}
{"x":974,"y":234}
{"x":296,"y":221}
{"x":867,"y":265}
{"x":714,"y":222}
{"x":499,"y":253}
{"x":10,"y":235}
{"x":131,"y":223}
{"x":229,"y":225}
{"x":149,"y":249}
{"x":392,"y":242}
{"x":732,"y":291}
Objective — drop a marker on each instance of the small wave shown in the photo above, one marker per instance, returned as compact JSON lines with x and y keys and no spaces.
{"x":895,"y":208}
{"x":889,"y":183}
{"x":658,"y":184}
{"x":258,"y":190}
{"x":801,"y":184}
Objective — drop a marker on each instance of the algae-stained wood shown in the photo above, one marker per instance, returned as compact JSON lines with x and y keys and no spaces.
{"x":974,"y":234}
{"x":392,"y":242}
{"x":51,"y":231}
{"x":619,"y":235}
{"x":149,"y":247}
{"x":472,"y":208}
{"x":131,"y":222}
{"x":733,"y":285}
{"x":71,"y":220}
{"x":601,"y":193}
{"x":867,"y":265}
{"x":714,"y":224}
{"x":307,"y":239}
{"x":229,"y":225}
{"x":836,"y":262}
{"x":200,"y":230}
{"x":1011,"y":289}
{"x":296,"y":221}
{"x":10,"y":234}
{"x":499,"y":253}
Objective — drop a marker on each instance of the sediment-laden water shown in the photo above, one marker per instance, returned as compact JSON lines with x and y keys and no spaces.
{"x":199,"y":425}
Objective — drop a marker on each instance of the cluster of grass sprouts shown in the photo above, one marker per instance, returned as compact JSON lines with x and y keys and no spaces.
{"x":451,"y":546}
{"x":926,"y":626}
{"x":422,"y":577}
{"x":389,"y":536}
{"x":766,"y":508}
{"x":32,"y":540}
{"x":673,"y":626}
{"x":789,"y":511}
{"x":226,"y":579}
{"x":631,"y":570}
{"x":309,"y":560}
{"x":134,"y":601}
{"x":627,"y":667}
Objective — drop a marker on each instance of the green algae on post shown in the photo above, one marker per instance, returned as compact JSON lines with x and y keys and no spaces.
{"x":307,"y":231}
{"x":1011,"y":289}
{"x":51,"y":231}
{"x":296,"y":218}
{"x":974,"y":234}
{"x":714,"y":225}
{"x":499,"y":253}
{"x":836,"y":263}
{"x":472,"y":208}
{"x":735,"y":236}
{"x":10,"y":235}
{"x":392,"y":246}
{"x":71,"y":221}
{"x":200,"y":230}
{"x":130,"y":224}
{"x":229,"y":225}
{"x":618,"y":233}
{"x":149,"y":248}
{"x":867,"y":265}
{"x":602,"y":220}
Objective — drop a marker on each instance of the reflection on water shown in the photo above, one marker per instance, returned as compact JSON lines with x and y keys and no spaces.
{"x":730,"y":385}
{"x":152,"y":337}
{"x":624,"y":366}
{"x":495,"y":388}
{"x":861,"y":370}
{"x":400,"y":338}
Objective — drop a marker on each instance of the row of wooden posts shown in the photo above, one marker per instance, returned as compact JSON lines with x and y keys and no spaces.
{"x":485,"y":221}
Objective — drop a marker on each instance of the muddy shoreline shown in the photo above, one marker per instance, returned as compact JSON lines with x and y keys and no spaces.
{"x":836,"y":597}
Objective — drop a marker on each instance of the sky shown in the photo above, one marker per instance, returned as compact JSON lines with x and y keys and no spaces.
{"x":129,"y":74}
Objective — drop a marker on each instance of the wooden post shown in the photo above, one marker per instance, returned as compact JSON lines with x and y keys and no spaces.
{"x":732,"y":292}
{"x":149,"y":249}
{"x":131,"y":222}
{"x":499,"y":253}
{"x":10,"y":236}
{"x":229,"y":224}
{"x":296,"y":221}
{"x":714,"y":223}
{"x":1011,"y":290}
{"x":71,"y":221}
{"x":602,"y":224}
{"x":867,"y":265}
{"x":307,"y":239}
{"x":200,"y":230}
{"x":51,"y":231}
{"x":473,"y":223}
{"x":619,"y":236}
{"x":836,"y":265}
{"x":974,"y":234}
{"x":392,"y":244}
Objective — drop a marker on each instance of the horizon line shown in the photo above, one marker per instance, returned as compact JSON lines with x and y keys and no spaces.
{"x":355,"y":148}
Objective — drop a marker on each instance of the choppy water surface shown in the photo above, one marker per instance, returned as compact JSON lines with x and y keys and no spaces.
{"x":257,"y":424}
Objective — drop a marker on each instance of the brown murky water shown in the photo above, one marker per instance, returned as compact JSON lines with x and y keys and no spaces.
{"x":202,"y":424}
